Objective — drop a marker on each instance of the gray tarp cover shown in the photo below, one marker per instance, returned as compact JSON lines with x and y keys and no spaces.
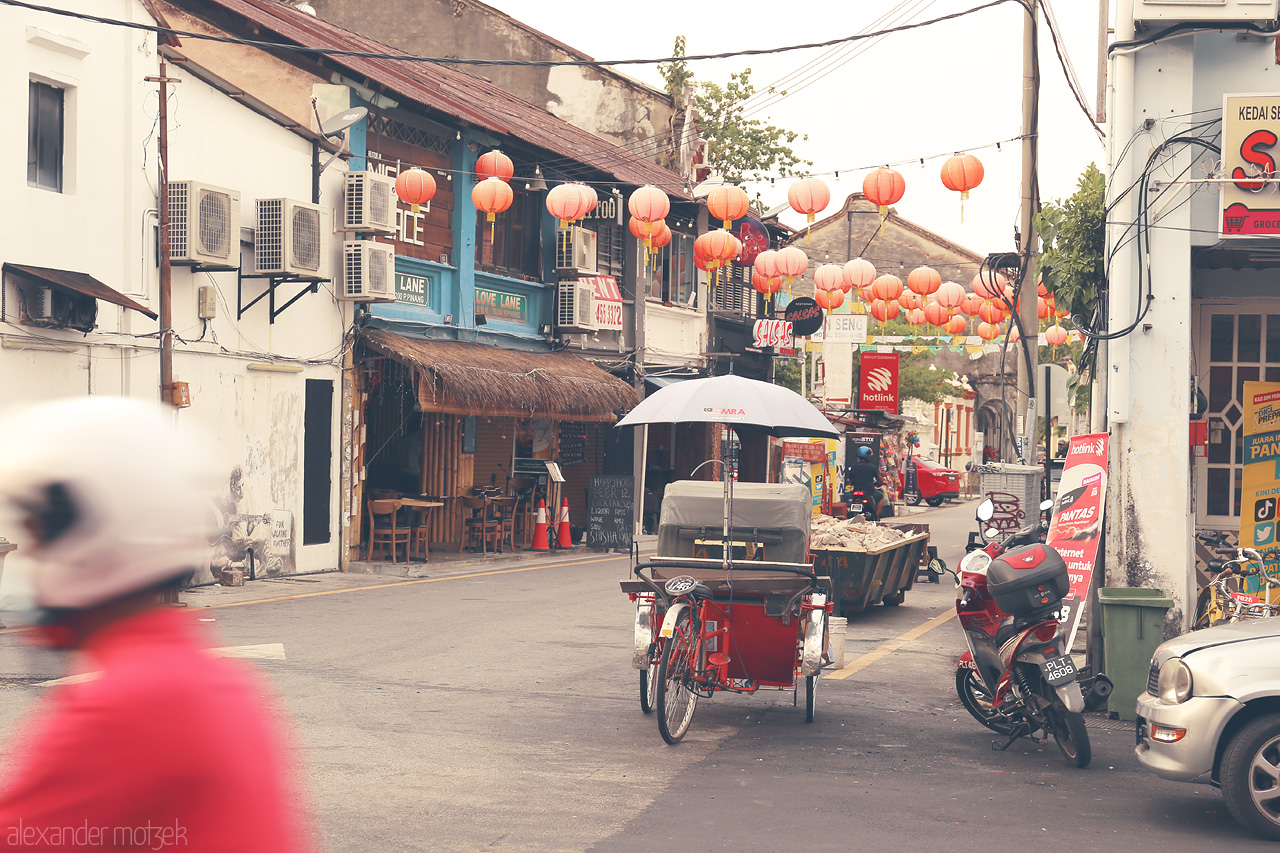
{"x":778,"y":506}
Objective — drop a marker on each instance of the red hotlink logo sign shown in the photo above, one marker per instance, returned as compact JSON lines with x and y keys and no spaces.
{"x":878,"y":382}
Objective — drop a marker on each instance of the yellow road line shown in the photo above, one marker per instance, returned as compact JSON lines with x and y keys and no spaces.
{"x":381,"y":586}
{"x":861,"y":663}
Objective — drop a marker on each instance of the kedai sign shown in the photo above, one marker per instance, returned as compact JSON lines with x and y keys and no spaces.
{"x":878,"y":382}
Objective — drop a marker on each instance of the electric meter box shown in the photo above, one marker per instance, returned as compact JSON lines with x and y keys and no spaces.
{"x":1237,"y":12}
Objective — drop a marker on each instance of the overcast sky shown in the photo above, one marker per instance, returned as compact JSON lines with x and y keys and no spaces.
{"x":921,"y":93}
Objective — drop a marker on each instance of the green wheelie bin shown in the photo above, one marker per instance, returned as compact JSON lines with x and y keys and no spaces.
{"x":1132,"y":628}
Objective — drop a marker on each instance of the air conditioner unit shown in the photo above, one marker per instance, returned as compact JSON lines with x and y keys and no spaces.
{"x":204,"y":225}
{"x":368,"y":272}
{"x":576,"y":308}
{"x":40,"y":303}
{"x":292,"y":238}
{"x":369,"y":203}
{"x":576,"y":252}
{"x":1164,"y":12}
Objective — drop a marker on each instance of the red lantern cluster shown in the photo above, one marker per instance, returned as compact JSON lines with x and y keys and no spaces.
{"x":728,"y":203}
{"x":415,"y":188}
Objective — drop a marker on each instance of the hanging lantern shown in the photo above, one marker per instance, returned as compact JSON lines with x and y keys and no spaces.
{"x":589,"y":198}
{"x":728,"y":203}
{"x":1074,"y":337}
{"x":829,"y":299}
{"x":990,"y":313}
{"x":809,"y":196}
{"x":792,"y":262}
{"x":766,"y":264}
{"x":493,"y":196}
{"x":858,"y":274}
{"x":884,"y":311}
{"x":915,"y":317}
{"x":829,"y":277}
{"x":989,"y":285}
{"x":886,"y":287}
{"x":909,"y":300}
{"x":767,"y":286}
{"x":1055,"y":335}
{"x":949,"y":295}
{"x":924,"y":281}
{"x":972,"y":302}
{"x":1040,"y":288}
{"x":645,"y":231}
{"x":936,"y":314}
{"x":956,"y":325}
{"x":567,"y":203}
{"x":960,"y":174}
{"x":649,"y":204}
{"x":415,"y":187}
{"x":661,"y":235}
{"x":494,"y":164}
{"x":1042,"y":308}
{"x":988,"y":331}
{"x":882,"y":188}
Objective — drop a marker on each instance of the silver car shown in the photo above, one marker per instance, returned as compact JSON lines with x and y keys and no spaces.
{"x":1211,"y":713}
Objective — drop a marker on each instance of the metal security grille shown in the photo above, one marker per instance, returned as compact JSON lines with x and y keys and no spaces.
{"x":305,"y":238}
{"x":352,"y":269}
{"x":179,"y":226}
{"x":353,"y":203}
{"x":215,"y":223}
{"x":269,"y":242}
{"x":405,"y":133}
{"x":566,"y":304}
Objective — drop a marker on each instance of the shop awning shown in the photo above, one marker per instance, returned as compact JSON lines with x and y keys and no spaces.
{"x":464,"y":378}
{"x":659,"y":381}
{"x":78,"y":282}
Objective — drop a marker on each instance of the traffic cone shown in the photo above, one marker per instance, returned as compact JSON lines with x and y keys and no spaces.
{"x":540,"y":529}
{"x":563,"y":528}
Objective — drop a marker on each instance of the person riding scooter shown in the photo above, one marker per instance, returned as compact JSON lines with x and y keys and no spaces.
{"x":864,"y":476}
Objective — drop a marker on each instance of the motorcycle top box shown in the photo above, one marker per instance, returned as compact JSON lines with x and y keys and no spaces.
{"x":1029,"y":581}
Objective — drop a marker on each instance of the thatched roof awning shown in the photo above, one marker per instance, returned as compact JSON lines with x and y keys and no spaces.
{"x":462,"y":378}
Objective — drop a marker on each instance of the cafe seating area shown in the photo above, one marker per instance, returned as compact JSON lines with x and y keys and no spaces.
{"x":398,"y":526}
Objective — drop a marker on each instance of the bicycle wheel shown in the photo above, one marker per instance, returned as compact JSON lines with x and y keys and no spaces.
{"x":649,"y":680}
{"x":810,"y":688}
{"x":676,"y":701}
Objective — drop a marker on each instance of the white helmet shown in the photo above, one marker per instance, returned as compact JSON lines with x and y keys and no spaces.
{"x":117,"y":492}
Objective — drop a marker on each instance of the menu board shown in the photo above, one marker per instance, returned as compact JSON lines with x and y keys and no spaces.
{"x":610,"y":510}
{"x":573,"y":443}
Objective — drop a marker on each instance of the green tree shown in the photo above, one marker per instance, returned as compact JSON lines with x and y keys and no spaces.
{"x":740,"y":148}
{"x":1073,"y":233}
{"x":786,"y":372}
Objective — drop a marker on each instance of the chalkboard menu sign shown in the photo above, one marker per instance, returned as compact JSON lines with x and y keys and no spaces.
{"x":610,"y":502}
{"x":573,"y":443}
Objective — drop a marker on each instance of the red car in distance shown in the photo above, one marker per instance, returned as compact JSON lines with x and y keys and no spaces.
{"x":934,"y":483}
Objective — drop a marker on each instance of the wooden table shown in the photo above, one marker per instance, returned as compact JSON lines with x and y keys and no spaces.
{"x":420,"y":544}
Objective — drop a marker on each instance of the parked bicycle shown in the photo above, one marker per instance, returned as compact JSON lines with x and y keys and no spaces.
{"x":1219,"y":603}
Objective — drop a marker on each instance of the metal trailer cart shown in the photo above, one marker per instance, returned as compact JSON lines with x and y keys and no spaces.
{"x":707,"y":622}
{"x":860,"y":579}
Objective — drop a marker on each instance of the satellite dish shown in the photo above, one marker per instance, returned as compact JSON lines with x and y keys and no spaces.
{"x":335,"y":125}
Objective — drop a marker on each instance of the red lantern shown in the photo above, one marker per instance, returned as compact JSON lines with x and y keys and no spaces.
{"x":767,"y":286}
{"x":1043,"y":309}
{"x":858,"y":274}
{"x":728,"y":203}
{"x":884,"y":311}
{"x":494,"y":164}
{"x":493,"y":196}
{"x":886,"y":287}
{"x":882,"y":188}
{"x":915,"y":317}
{"x":988,"y":285}
{"x":589,"y":198}
{"x":989,"y":313}
{"x":792,"y":262}
{"x":649,"y":204}
{"x":1055,"y":335}
{"x":829,"y":277}
{"x":936,"y":313}
{"x":661,"y":235}
{"x":950,"y":295}
{"x":767,"y":264}
{"x":924,"y":281}
{"x":988,"y":331}
{"x":908,"y":300}
{"x":829,"y":299}
{"x":960,"y":174}
{"x":956,"y":325}
{"x":809,"y":196}
{"x":1040,"y":288}
{"x":415,"y":187}
{"x":566,"y":203}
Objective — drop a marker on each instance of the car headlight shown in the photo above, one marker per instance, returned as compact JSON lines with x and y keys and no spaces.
{"x":1174,"y":686}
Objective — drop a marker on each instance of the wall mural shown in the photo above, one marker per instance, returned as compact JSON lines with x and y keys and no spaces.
{"x":259,"y":541}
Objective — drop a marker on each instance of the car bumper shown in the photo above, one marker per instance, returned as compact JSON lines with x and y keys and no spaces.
{"x":1191,"y":758}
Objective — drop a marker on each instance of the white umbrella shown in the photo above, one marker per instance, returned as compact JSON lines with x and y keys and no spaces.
{"x":734,"y":401}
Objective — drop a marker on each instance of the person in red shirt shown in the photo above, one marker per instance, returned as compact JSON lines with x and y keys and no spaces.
{"x":157,"y":743}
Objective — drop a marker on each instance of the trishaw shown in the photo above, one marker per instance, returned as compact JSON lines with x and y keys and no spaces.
{"x":706,"y":621}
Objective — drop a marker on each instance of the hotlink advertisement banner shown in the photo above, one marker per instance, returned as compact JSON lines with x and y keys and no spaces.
{"x":1076,"y":529}
{"x":1260,"y":488}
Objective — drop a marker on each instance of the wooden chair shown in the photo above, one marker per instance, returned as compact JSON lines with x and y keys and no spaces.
{"x":504,"y":512}
{"x":385,"y":529}
{"x":420,"y":537}
{"x":525,"y":513}
{"x":480,"y":528}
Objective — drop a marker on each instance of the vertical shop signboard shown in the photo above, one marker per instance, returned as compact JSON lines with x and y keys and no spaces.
{"x":1260,"y":489}
{"x":1076,"y":529}
{"x":1250,"y":201}
{"x":810,"y":463}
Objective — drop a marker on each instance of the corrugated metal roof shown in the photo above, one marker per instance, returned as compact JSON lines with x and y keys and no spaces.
{"x":441,"y":87}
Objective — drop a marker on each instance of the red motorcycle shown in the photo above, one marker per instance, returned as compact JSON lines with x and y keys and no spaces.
{"x":1017,"y":678}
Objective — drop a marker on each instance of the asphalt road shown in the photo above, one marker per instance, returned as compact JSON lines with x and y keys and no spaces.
{"x":500,"y":711}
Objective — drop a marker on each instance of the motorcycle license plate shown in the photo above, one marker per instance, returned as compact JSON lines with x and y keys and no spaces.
{"x":855,"y":507}
{"x":1060,"y":670}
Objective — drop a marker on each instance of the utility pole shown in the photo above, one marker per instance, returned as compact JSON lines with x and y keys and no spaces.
{"x":166,"y":269}
{"x":1028,"y":314}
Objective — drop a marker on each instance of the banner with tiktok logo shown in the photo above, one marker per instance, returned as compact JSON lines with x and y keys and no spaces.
{"x":1260,"y":486}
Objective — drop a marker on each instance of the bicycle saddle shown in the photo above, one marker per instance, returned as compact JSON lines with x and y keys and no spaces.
{"x":685,"y":585}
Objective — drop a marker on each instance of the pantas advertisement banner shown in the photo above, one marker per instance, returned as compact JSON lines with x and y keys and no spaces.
{"x":1077,"y":521}
{"x":878,"y":382}
{"x":1250,"y":130}
{"x":1260,"y":489}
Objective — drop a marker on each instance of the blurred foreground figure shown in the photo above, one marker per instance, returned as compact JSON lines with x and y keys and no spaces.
{"x":165,"y":745}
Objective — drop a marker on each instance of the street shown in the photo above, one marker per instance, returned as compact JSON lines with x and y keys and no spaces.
{"x":499,"y":710}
